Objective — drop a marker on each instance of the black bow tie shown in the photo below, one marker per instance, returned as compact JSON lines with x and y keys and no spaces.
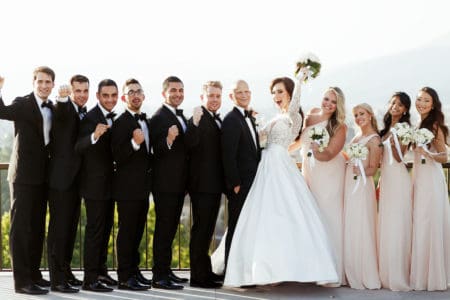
{"x":247,"y":113}
{"x":216,"y":116}
{"x":110,"y":115}
{"x":47,"y":104}
{"x":179,"y":112}
{"x":141,"y":117}
{"x":82,"y":109}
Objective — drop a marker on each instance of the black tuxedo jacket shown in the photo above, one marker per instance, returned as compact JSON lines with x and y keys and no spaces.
{"x":97,"y":161}
{"x":29,"y":156}
{"x":65,"y":162}
{"x":239,"y":153}
{"x":169,"y":165}
{"x":131,"y":180}
{"x":205,"y":156}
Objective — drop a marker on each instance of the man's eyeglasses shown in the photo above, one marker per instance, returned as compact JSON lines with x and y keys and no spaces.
{"x":137,"y":93}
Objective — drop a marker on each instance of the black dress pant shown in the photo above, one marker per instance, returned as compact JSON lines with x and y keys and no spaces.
{"x":235,"y":204}
{"x":62,"y":230}
{"x":100,"y":214}
{"x":205,"y":208}
{"x":27,"y":232}
{"x":132,"y":219}
{"x":168,"y":207}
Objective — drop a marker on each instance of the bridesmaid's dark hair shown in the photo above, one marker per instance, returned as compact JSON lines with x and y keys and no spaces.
{"x":387,"y":119}
{"x":289,"y":84}
{"x":435,"y":118}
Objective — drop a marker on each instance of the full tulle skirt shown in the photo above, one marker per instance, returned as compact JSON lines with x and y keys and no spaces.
{"x":280,"y":235}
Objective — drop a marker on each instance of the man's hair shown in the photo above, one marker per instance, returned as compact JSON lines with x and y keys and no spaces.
{"x":79,"y":78}
{"x":168,"y":80}
{"x":106,"y":82}
{"x":128,"y":82}
{"x":44,"y":69}
{"x":215,"y":84}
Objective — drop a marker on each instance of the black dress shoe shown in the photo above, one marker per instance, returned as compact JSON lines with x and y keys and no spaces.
{"x":249,"y":286}
{"x":207,"y":284}
{"x":133,"y":285}
{"x":177,"y":279}
{"x":64,"y":288}
{"x":166,"y":284}
{"x":141,"y":279}
{"x":106,"y":279}
{"x":42,"y":282}
{"x":31,"y":289}
{"x":73,"y":281}
{"x":216,"y":277}
{"x":96,"y":287}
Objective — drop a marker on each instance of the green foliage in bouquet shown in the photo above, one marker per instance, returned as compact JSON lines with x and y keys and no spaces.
{"x":312,"y":66}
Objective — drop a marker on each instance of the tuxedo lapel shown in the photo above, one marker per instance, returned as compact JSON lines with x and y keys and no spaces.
{"x":135,"y":124}
{"x":99,"y":115}
{"x":174,"y":118}
{"x":74,"y":112}
{"x":246,"y":128}
{"x":211,"y":121}
{"x":36,"y":112}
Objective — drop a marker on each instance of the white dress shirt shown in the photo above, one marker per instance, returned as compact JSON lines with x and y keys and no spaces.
{"x":249,"y":124}
{"x":144,"y":129}
{"x":46,"y":117}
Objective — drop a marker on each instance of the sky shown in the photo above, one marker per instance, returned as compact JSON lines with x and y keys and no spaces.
{"x":200,"y":40}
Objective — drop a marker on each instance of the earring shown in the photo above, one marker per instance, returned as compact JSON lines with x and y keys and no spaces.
{"x":404,"y":113}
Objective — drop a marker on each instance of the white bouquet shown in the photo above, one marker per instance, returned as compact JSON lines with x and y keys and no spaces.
{"x":310,"y":62}
{"x":320,"y":136}
{"x":404,"y":132}
{"x":357,"y":153}
{"x":422,"y":137}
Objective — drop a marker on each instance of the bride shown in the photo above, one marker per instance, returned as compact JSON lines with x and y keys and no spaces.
{"x":280,"y":235}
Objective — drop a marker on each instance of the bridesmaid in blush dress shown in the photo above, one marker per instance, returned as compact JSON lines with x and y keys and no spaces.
{"x":430,"y":268}
{"x":325,"y":176}
{"x":360,"y":207}
{"x":395,"y":204}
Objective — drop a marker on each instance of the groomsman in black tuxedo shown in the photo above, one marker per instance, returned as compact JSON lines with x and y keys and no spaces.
{"x":27,"y":176}
{"x":94,"y":145}
{"x":241,"y":153}
{"x":206,"y":182}
{"x":131,"y":184}
{"x":64,"y":196}
{"x":169,"y":173}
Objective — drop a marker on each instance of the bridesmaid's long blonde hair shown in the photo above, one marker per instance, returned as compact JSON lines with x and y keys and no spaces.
{"x":338,"y":117}
{"x":369,"y":109}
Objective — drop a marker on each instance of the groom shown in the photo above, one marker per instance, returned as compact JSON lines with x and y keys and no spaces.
{"x":240,"y":154}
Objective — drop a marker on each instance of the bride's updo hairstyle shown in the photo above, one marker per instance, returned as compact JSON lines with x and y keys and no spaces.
{"x":338,"y":117}
{"x":289,"y":84}
{"x":369,"y":109}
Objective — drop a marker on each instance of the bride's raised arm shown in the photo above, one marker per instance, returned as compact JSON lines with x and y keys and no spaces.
{"x":294,"y":106}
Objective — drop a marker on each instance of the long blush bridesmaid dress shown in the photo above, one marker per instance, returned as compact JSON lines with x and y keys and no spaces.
{"x":394,"y":222}
{"x":360,"y":219}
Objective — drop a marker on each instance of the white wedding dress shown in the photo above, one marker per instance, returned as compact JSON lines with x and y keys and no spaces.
{"x":280,"y":235}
